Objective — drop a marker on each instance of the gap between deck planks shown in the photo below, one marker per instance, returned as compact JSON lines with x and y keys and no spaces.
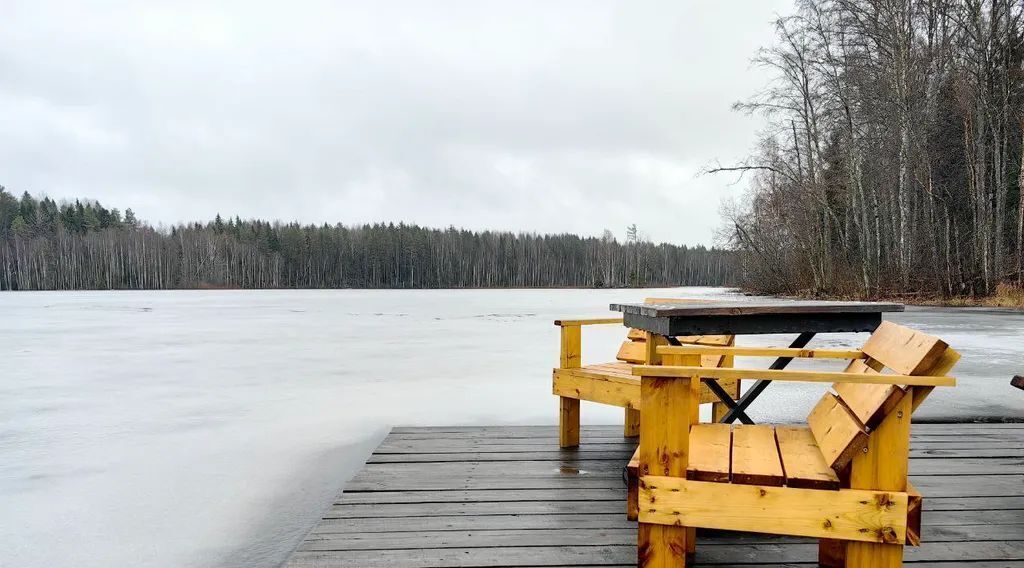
{"x":507,"y":496}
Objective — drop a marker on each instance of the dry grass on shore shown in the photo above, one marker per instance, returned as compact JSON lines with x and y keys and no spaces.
{"x":1007,"y":295}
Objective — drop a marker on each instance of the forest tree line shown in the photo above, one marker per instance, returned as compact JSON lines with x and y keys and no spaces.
{"x":83,"y":245}
{"x":892,"y":162}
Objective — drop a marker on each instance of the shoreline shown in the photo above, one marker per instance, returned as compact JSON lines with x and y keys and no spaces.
{"x":1006,"y":296}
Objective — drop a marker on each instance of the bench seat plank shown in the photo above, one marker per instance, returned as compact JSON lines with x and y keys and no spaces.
{"x":710,"y":449}
{"x":802,"y":461}
{"x":755,"y":457}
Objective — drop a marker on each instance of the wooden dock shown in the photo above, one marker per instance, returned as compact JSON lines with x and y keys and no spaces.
{"x":507,"y":496}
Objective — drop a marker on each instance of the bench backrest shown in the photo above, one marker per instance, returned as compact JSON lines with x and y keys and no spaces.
{"x":842,"y":422}
{"x":633,"y":348}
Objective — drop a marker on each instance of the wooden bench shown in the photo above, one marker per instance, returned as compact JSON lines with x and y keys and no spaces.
{"x":614,"y":383}
{"x":841,"y":478}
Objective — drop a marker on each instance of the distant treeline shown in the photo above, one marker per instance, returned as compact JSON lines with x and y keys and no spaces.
{"x":83,"y":245}
{"x":893,"y":158}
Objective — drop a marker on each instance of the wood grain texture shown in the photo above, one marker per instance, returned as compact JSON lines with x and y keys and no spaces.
{"x":797,"y":376}
{"x":571,"y":348}
{"x":764,"y":352}
{"x":635,"y":350}
{"x":632,"y":351}
{"x":945,"y":364}
{"x":525,"y":512}
{"x":650,"y":345}
{"x":753,"y":308}
{"x":883,"y":467}
{"x":710,"y":452}
{"x":667,"y":410}
{"x":568,"y":422}
{"x":838,"y":433}
{"x":802,"y":461}
{"x":904,"y":350}
{"x":591,"y":321}
{"x":607,"y":384}
{"x":597,"y":387}
{"x":631,"y":423}
{"x":755,"y":456}
{"x":849,"y":514}
{"x":869,"y":403}
{"x":755,"y":324}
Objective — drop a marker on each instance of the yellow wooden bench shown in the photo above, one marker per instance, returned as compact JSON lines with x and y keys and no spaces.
{"x":842,"y":478}
{"x":614,"y":383}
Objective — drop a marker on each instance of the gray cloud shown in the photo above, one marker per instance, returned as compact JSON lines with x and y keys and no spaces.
{"x":534,"y":115}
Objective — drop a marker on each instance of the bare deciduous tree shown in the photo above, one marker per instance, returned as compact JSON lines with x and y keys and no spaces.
{"x":888,"y":165}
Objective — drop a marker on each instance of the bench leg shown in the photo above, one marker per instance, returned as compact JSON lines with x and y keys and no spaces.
{"x":871,"y":555}
{"x":631,"y":428}
{"x":568,"y":422}
{"x":669,"y":407}
{"x":883,"y":467}
{"x":632,"y":494}
{"x":661,"y":546}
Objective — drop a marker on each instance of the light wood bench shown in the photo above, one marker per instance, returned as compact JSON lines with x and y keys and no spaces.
{"x":614,"y":383}
{"x":841,"y":478}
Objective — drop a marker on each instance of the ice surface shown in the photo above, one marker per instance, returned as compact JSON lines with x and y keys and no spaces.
{"x":211,"y":428}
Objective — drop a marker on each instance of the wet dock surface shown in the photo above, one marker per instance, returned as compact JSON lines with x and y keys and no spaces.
{"x":508,"y":496}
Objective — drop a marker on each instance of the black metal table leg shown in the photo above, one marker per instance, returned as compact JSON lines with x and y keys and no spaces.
{"x":726,"y":398}
{"x":717,"y":389}
{"x":740,"y":408}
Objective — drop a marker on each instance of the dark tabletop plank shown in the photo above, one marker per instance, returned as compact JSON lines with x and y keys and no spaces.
{"x":754,"y":308}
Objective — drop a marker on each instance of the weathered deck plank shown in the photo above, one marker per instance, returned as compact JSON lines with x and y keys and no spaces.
{"x":507,"y":496}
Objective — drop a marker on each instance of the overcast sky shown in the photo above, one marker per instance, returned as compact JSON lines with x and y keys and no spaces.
{"x":549,"y":116}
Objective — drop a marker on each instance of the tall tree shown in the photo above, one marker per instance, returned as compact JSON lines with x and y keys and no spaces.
{"x":85,"y":245}
{"x":893,"y":161}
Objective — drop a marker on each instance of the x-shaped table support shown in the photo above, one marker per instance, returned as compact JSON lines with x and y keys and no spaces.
{"x":737,"y":408}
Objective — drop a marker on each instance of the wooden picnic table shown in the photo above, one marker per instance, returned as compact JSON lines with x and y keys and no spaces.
{"x":807,"y":318}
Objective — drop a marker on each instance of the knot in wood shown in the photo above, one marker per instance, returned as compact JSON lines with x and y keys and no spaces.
{"x":887,"y":535}
{"x":884,"y":501}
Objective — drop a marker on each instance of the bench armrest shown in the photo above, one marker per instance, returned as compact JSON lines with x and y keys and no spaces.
{"x":591,"y":321}
{"x":799,"y":376}
{"x":761,"y":352}
{"x":571,"y":339}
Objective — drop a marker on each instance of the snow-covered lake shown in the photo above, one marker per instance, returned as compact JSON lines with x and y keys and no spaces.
{"x":211,"y":428}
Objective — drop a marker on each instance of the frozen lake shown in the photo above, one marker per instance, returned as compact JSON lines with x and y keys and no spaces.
{"x":211,"y":428}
